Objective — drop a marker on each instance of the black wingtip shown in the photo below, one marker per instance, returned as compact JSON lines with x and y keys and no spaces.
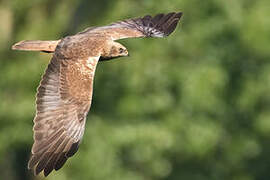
{"x":170,"y":23}
{"x":179,"y":14}
{"x":160,"y":25}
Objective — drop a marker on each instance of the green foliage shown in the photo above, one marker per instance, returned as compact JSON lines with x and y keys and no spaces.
{"x":192,"y":106}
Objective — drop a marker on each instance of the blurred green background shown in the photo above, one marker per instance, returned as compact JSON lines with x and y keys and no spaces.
{"x":193,"y":106}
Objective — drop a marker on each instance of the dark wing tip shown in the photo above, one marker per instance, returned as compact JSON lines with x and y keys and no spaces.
{"x":179,"y":14}
{"x":160,"y":25}
{"x":49,"y":161}
{"x":172,"y":23}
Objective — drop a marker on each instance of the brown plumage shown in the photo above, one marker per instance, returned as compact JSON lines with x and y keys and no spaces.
{"x":65,"y":92}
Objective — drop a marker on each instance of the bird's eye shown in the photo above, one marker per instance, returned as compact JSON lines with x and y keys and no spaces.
{"x":121,"y":50}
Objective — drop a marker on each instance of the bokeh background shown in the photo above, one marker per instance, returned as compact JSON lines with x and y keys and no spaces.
{"x":193,"y":106}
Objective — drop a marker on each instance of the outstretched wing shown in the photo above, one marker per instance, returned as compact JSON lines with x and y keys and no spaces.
{"x":158,"y":26}
{"x":63,"y":101}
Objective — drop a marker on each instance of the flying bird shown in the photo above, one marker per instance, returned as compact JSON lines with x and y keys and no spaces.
{"x":65,"y":92}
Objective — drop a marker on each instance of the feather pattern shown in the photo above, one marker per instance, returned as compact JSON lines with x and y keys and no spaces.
{"x":62,"y":106}
{"x":160,"y":25}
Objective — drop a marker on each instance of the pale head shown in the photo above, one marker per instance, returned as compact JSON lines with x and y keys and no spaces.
{"x":114,"y":50}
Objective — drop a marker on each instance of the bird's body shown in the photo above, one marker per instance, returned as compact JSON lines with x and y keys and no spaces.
{"x":65,"y":92}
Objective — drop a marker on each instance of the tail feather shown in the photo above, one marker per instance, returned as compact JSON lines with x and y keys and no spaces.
{"x":36,"y":45}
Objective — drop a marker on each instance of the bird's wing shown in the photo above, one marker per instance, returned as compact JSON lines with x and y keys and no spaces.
{"x":160,"y":25}
{"x":63,"y":101}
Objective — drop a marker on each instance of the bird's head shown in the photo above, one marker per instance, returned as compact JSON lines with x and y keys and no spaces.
{"x":119,"y":50}
{"x":115,"y":50}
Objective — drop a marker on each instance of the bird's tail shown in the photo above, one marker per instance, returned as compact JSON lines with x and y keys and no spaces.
{"x":36,"y":45}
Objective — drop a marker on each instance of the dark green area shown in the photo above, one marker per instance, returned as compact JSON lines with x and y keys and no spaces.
{"x":193,"y":106}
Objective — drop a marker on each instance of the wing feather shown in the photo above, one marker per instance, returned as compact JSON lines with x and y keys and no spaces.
{"x":160,"y":25}
{"x":63,"y":101}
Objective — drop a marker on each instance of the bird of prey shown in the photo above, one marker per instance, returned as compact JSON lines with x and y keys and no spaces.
{"x":65,"y":92}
